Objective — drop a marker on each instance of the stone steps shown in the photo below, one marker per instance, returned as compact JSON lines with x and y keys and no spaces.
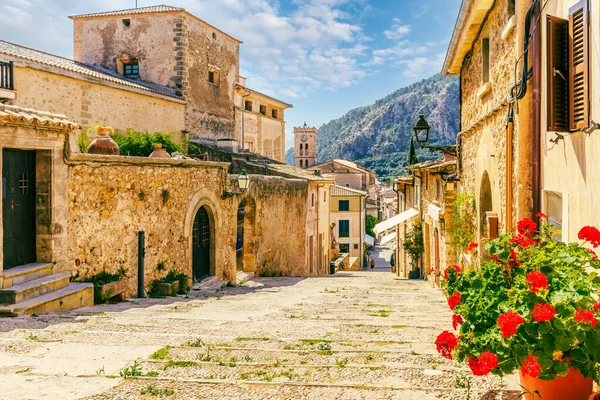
{"x":73,"y":296}
{"x":34,"y":288}
{"x":25,"y":273}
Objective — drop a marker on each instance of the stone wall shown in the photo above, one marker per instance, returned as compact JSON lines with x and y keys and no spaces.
{"x":112,"y":198}
{"x":92,"y":104}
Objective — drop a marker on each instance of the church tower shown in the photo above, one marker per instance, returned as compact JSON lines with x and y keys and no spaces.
{"x":305,"y":146}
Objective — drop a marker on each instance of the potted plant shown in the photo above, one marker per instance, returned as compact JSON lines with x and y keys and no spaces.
{"x":414,"y":246}
{"x":107,"y":286}
{"x":532,"y":307}
{"x":170,"y":285}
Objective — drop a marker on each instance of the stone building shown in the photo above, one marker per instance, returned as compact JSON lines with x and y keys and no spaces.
{"x":155,"y":68}
{"x":260,"y":122}
{"x":351,"y":175}
{"x":435,"y":189}
{"x":495,"y":138}
{"x":569,"y":109}
{"x":348,"y":213}
{"x":305,"y":146}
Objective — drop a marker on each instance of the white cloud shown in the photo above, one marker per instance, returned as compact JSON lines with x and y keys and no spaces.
{"x":397,"y":31}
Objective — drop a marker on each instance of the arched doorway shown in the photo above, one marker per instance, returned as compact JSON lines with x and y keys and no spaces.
{"x":239,"y":236}
{"x":201,"y":245}
{"x":485,"y":203}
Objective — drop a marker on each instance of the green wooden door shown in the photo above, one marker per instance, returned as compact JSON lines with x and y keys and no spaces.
{"x":201,"y":245}
{"x":18,"y":207}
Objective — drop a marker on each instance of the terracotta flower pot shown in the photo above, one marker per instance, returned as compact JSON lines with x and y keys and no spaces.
{"x":595,"y":396}
{"x":573,"y":386}
{"x":103,"y":144}
{"x":159,"y":152}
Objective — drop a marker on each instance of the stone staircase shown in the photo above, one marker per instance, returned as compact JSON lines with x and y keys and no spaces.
{"x":33,"y":288}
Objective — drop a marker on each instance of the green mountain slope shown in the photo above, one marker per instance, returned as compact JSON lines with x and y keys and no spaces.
{"x":378,"y":136}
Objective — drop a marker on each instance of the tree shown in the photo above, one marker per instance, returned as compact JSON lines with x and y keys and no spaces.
{"x":370,"y":222}
{"x":412,"y":154}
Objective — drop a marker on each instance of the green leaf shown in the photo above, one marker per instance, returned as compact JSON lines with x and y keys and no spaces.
{"x":544,"y":328}
{"x":561,"y":368}
{"x":508,"y":366}
{"x":579,"y":355}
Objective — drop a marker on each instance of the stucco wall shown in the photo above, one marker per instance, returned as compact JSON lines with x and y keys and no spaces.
{"x":571,"y":168}
{"x":93,"y":104}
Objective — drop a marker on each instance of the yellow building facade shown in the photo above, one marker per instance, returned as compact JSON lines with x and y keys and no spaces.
{"x":348,"y":213}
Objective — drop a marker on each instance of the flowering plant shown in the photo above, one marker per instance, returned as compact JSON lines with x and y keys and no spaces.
{"x":532,"y":306}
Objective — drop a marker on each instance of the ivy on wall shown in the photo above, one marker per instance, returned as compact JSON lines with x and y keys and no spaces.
{"x":463,"y":221}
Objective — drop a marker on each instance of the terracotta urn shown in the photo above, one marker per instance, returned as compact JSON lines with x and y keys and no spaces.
{"x":159,"y":152}
{"x":103,"y":144}
{"x":573,"y":386}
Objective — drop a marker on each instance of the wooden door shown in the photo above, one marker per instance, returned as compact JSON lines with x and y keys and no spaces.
{"x":201,"y":245}
{"x":239,"y":238}
{"x":436,"y":244}
{"x":18,"y":207}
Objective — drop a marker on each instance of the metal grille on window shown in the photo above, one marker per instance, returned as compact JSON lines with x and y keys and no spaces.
{"x":24,"y":183}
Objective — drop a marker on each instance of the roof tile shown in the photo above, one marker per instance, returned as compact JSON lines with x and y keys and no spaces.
{"x":28,"y":116}
{"x":140,"y":10}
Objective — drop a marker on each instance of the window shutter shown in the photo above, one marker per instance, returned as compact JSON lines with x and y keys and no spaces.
{"x":558,"y":74}
{"x":579,"y":65}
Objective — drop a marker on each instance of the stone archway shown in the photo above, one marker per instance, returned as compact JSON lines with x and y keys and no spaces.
{"x":202,"y":237}
{"x":485,"y":203}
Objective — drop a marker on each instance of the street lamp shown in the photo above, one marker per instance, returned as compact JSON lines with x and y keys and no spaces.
{"x":243,"y":183}
{"x":422,"y":129}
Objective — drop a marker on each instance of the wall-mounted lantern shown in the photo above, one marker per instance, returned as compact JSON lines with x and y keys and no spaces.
{"x":243,"y":183}
{"x":442,"y":223}
{"x":422,"y":129}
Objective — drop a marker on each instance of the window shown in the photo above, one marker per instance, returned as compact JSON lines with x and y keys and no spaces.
{"x":126,"y":22}
{"x":344,"y":205}
{"x":263,"y":110}
{"x":568,"y":71}
{"x":554,"y":207}
{"x":324,"y":197}
{"x":301,"y":163}
{"x":485,"y":50}
{"x":248,"y":105}
{"x":312,"y":200}
{"x":274,"y":114}
{"x":355,"y":246}
{"x":344,"y":228}
{"x":306,"y":146}
{"x":131,"y":69}
{"x":438,"y":189}
{"x":344,"y":248}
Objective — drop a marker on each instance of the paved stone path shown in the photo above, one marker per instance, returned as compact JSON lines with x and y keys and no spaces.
{"x":361,"y":335}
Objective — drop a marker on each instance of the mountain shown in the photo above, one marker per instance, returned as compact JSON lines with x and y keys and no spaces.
{"x":289,"y":156}
{"x":378,"y":136}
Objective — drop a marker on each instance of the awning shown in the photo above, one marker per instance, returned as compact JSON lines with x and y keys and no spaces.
{"x":396,"y":220}
{"x":370,"y":240}
{"x":387,"y":238}
{"x":434,"y":212}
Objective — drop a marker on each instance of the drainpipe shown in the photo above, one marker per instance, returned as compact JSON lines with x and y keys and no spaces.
{"x":537,"y":115}
{"x":509,"y":171}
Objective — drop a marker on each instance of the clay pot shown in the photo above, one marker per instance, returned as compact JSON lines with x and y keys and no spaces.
{"x":595,"y":396}
{"x":159,"y":152}
{"x":573,"y":386}
{"x":103,"y":144}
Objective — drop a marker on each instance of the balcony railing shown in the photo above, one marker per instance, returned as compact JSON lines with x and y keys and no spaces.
{"x":6,"y":75}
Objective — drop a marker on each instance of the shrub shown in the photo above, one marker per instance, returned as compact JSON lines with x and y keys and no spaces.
{"x":370,"y":223}
{"x":414,"y":246}
{"x":141,"y":144}
{"x":463,"y":221}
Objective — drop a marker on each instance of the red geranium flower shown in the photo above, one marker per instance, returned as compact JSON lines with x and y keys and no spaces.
{"x":593,"y":253}
{"x":508,"y":323}
{"x":590,"y":234}
{"x":526,"y":226}
{"x":456,"y":320}
{"x":596,"y":307}
{"x":445,"y":344}
{"x":484,"y":364}
{"x":513,"y":256}
{"x":454,"y":300}
{"x":536,"y":281}
{"x":543,"y":312}
{"x":523,"y":240}
{"x":541,"y":215}
{"x":472,"y":246}
{"x":531,"y":366}
{"x":456,"y":269}
{"x":585,"y":317}
{"x":496,"y":259}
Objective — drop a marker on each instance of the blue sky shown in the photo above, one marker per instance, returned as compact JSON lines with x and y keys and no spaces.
{"x":323,"y":56}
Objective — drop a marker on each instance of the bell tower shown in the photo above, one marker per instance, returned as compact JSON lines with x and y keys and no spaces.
{"x":305,"y":146}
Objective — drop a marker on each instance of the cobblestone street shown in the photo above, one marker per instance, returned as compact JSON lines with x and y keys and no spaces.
{"x":360,"y":335}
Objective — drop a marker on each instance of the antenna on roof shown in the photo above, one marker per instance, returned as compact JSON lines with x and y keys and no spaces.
{"x":136,"y":3}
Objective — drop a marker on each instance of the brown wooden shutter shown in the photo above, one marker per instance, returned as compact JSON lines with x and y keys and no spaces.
{"x":579,"y":65}
{"x":558,"y":74}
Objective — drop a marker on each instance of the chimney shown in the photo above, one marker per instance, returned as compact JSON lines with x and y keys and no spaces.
{"x":318,"y":172}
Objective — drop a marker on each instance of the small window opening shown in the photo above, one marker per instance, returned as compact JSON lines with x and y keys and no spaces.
{"x":263,"y":110}
{"x":510,"y":7}
{"x":248,"y":105}
{"x":485,"y":49}
{"x":213,"y":76}
{"x":131,"y":69}
{"x":214,"y":35}
{"x":274,"y":114}
{"x":127,"y":22}
{"x":301,"y":163}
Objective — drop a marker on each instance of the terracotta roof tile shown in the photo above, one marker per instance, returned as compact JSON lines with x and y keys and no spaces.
{"x":83,"y":69}
{"x":129,"y":11}
{"x":338,"y":191}
{"x":28,"y":116}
